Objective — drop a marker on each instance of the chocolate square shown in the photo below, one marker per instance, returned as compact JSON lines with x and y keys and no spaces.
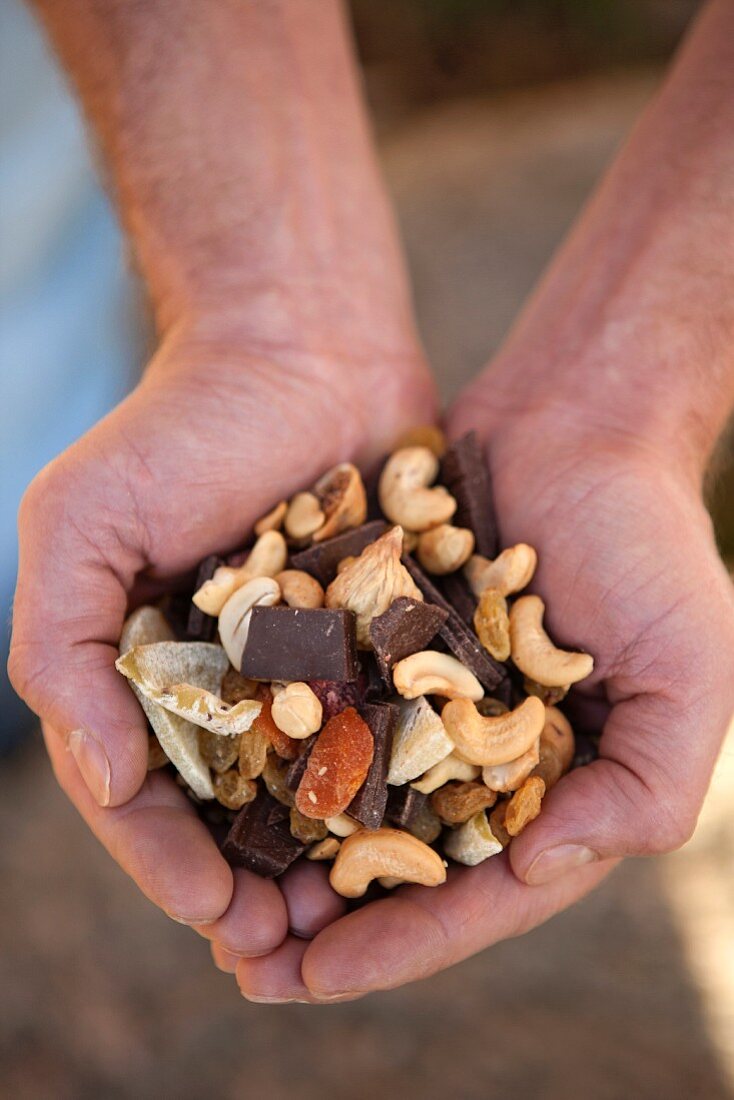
{"x":260,"y":839}
{"x":201,"y":627}
{"x":406,"y":627}
{"x":462,"y":642}
{"x":321,"y":559}
{"x":404,"y":805}
{"x":296,"y":643}
{"x":369,"y":803}
{"x":466,"y":475}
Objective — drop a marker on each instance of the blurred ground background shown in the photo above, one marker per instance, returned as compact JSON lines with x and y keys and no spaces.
{"x":494,"y":118}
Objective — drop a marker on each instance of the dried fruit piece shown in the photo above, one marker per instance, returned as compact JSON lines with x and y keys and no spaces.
{"x":457,"y":802}
{"x":232,"y":791}
{"x":524,"y":806}
{"x":492,"y":624}
{"x":253,"y":753}
{"x":370,"y":584}
{"x":307,"y":829}
{"x":274,"y":776}
{"x":497,"y":823}
{"x":285,"y":746}
{"x":335,"y":695}
{"x":419,"y":741}
{"x":218,"y":752}
{"x":473,"y":842}
{"x":236,"y":687}
{"x":337,"y":766}
{"x":425,"y":825}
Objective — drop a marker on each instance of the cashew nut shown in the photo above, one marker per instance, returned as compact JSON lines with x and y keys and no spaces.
{"x":510,"y":776}
{"x":432,"y":673}
{"x":492,"y":623}
{"x":272,"y":520}
{"x":297,"y":711}
{"x":324,"y":849}
{"x":451,"y":767}
{"x":267,"y":558}
{"x":510,"y":572}
{"x":234,"y":618}
{"x":404,"y":493}
{"x":497,"y":740}
{"x":445,"y":548}
{"x":343,"y":500}
{"x":534,"y":653}
{"x":299,"y":589}
{"x":384,"y":853}
{"x":341,"y":825}
{"x":304,"y":516}
{"x":370,"y":583}
{"x":472,"y":842}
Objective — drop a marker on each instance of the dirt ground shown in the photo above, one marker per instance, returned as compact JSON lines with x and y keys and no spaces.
{"x":628,"y":995}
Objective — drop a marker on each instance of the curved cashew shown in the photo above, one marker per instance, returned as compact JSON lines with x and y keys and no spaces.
{"x":452,"y":767}
{"x":445,"y":548}
{"x":534,"y":653}
{"x":404,"y":493}
{"x":299,"y":589}
{"x":343,"y":500}
{"x":234,"y":618}
{"x":472,"y":842}
{"x":304,"y":516}
{"x":510,"y":776}
{"x":384,"y":853}
{"x":297,"y":711}
{"x":509,"y":572}
{"x":267,"y":557}
{"x":497,"y":740}
{"x":432,"y":673}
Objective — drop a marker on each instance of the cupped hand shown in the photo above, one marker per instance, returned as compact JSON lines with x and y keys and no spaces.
{"x":629,"y":572}
{"x":222,"y":426}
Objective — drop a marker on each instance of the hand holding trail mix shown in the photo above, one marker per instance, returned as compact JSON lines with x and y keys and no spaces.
{"x":341,"y":697}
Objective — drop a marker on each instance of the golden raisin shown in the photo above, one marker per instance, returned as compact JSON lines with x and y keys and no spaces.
{"x":253,"y":753}
{"x":236,"y":687}
{"x":337,"y":766}
{"x":232,"y":791}
{"x":492,"y":623}
{"x":497,"y":823}
{"x":455,"y":803}
{"x":524,"y":806}
{"x":307,"y":829}
{"x":218,"y":751}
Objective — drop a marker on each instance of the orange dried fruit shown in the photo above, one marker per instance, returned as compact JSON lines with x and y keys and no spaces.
{"x":337,"y":766}
{"x":286,"y":747}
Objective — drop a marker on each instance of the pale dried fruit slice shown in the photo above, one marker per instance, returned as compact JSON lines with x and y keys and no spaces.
{"x":370,"y":584}
{"x":419,"y":741}
{"x":183,"y":678}
{"x":472,"y":842}
{"x":178,"y":739}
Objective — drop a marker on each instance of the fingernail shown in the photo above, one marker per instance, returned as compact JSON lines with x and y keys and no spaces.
{"x":274,"y":1000}
{"x":554,"y":862}
{"x":92,"y":762}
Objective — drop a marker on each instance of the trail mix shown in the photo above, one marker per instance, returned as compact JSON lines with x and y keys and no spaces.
{"x":363,"y":684}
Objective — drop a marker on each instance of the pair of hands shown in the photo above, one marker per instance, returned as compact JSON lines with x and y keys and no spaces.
{"x":225,"y":423}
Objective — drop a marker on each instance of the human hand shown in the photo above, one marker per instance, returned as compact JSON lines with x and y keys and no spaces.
{"x":630,"y":573}
{"x":222,"y":425}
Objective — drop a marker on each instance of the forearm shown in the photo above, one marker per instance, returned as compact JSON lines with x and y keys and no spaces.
{"x":632,"y":329}
{"x":235,"y":139}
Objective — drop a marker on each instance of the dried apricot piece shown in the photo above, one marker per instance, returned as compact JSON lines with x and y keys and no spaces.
{"x":337,"y":766}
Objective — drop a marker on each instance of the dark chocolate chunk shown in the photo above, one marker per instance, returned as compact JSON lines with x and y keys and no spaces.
{"x":321,"y":559}
{"x":404,"y":804}
{"x":373,"y":685}
{"x":457,"y":591}
{"x":335,"y":696}
{"x":466,"y":475}
{"x":297,"y":767}
{"x":200,"y":626}
{"x":260,"y":838}
{"x":458,"y":637}
{"x":406,"y":627}
{"x":297,"y":643}
{"x":369,"y":803}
